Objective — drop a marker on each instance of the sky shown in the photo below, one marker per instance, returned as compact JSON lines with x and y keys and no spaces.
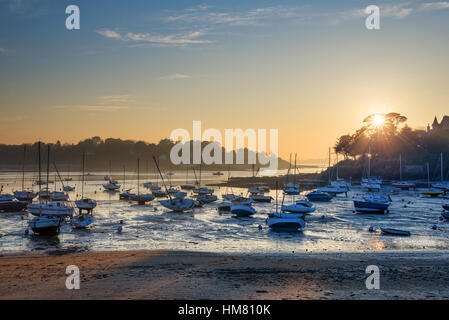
{"x":140,"y":69}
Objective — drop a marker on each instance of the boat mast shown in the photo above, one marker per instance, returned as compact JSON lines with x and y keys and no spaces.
{"x":124,"y":178}
{"x":400,"y":167}
{"x":329,"y":166}
{"x":138,"y":173}
{"x":294,"y":174}
{"x":441,"y":165}
{"x":39,"y":156}
{"x":82,"y":179}
{"x":337,"y":165}
{"x":23,"y":166}
{"x":48,"y":168}
{"x":369,"y":162}
{"x":428,"y":176}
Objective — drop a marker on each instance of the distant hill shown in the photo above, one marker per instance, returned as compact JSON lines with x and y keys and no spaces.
{"x":100,"y":154}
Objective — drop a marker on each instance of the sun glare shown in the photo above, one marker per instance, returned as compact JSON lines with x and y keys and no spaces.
{"x":378,"y":120}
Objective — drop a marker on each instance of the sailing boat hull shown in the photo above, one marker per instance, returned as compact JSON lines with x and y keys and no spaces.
{"x":370,"y":207}
{"x":45,"y":225}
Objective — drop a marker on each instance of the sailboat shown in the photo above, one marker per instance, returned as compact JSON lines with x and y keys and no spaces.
{"x":371,"y":184}
{"x":85,"y":203}
{"x":111,"y":185}
{"x":141,"y":199}
{"x":443,"y":185}
{"x":187,"y":186}
{"x":292,"y":188}
{"x":373,"y":204}
{"x":8,"y":204}
{"x":285,"y":221}
{"x":257,"y":193}
{"x":340,"y":182}
{"x":433,"y":192}
{"x":332,"y":189}
{"x":405,"y":185}
{"x":204,"y":195}
{"x":24,"y":195}
{"x":44,"y":224}
{"x":175,"y":204}
{"x":127,"y":192}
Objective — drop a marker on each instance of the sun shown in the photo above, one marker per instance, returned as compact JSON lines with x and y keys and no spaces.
{"x":378,"y":120}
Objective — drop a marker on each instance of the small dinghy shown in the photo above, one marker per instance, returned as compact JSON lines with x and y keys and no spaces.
{"x":373,"y":204}
{"x":68,"y":188}
{"x":206,"y":198}
{"x":297,"y":208}
{"x":203,"y":190}
{"x":404,"y":185}
{"x":242,"y":210}
{"x":319,"y":196}
{"x":111,"y":186}
{"x":242,"y":200}
{"x":187,"y":187}
{"x":432,"y":192}
{"x":285,"y":222}
{"x":395,"y":232}
{"x":229,"y":196}
{"x":141,"y":199}
{"x":59,"y":196}
{"x":446,"y":207}
{"x":86,"y":204}
{"x":178,"y":205}
{"x":260,"y":197}
{"x":159,"y":194}
{"x":82,"y":221}
{"x":333,"y":190}
{"x":126,"y":194}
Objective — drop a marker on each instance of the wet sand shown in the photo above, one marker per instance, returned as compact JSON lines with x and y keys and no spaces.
{"x":190,"y":275}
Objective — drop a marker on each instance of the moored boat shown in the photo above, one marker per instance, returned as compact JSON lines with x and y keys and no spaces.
{"x":396,"y":232}
{"x":82,"y":221}
{"x":12,"y":206}
{"x":242,"y":210}
{"x":319,"y":196}
{"x":46,"y":225}
{"x":56,"y":209}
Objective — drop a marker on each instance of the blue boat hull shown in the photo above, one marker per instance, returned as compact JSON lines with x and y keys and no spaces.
{"x":318,"y":197}
{"x":370,"y":207}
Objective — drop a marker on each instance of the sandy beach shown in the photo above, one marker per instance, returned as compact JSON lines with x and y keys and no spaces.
{"x":190,"y":275}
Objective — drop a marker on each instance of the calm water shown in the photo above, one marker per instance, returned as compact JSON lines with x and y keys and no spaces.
{"x":333,"y":226}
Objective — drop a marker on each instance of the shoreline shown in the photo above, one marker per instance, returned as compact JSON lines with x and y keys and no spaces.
{"x":165,"y":274}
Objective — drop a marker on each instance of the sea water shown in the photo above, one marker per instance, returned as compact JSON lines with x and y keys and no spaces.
{"x":333,"y":227}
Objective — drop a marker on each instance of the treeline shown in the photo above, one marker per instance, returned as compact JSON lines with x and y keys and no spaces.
{"x":386,"y":138}
{"x":102,"y":155}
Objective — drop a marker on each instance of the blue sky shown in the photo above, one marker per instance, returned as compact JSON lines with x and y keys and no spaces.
{"x":259,"y":64}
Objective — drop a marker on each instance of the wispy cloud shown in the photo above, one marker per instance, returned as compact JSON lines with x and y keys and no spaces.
{"x":175,"y":76}
{"x":175,"y":39}
{"x":106,"y":103}
{"x":109,"y":34}
{"x":4,"y":51}
{"x":431,"y":6}
{"x":255,"y":16}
